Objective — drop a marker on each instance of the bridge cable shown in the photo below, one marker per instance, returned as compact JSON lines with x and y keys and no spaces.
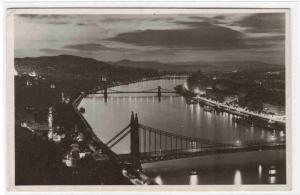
{"x":147,"y":90}
{"x":118,"y":134}
{"x":209,"y":142}
{"x":119,"y":139}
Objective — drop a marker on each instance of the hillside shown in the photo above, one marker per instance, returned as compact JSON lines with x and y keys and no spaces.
{"x":41,"y":80}
{"x":65,"y":66}
{"x":204,"y":66}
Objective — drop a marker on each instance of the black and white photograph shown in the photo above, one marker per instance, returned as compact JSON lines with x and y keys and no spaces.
{"x":174,"y":97}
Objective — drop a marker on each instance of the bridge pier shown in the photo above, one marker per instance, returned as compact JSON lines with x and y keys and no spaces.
{"x":135,"y":141}
{"x":105,"y":94}
{"x":159,"y":93}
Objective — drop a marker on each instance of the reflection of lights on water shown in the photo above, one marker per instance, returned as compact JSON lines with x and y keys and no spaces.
{"x":196,"y":90}
{"x":238,"y":178}
{"x":193,"y":179}
{"x":209,"y":115}
{"x":238,"y":142}
{"x":259,"y":171}
{"x":252,"y":131}
{"x":272,"y":179}
{"x":185,"y":86}
{"x":281,"y":134}
{"x":262,"y":134}
{"x":198,"y":109}
{"x":272,"y":138}
{"x":272,"y":175}
{"x":272,"y":170}
{"x":194,"y":144}
{"x":191,"y":108}
{"x":158,"y":180}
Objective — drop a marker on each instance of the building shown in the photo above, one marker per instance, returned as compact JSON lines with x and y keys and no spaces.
{"x":32,"y":74}
{"x":274,"y":109}
{"x":231,"y":98}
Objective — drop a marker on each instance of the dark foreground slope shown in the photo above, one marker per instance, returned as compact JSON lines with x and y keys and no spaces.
{"x":38,"y":85}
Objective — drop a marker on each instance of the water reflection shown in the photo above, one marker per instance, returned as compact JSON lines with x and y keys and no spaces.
{"x":193,"y":179}
{"x":272,"y":170}
{"x":262,"y":135}
{"x":259,"y":172}
{"x":237,"y":178}
{"x":272,"y":179}
{"x":272,"y":175}
{"x":158,"y":180}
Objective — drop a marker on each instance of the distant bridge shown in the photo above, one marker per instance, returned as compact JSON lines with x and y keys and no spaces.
{"x":148,"y":144}
{"x":158,"y":90}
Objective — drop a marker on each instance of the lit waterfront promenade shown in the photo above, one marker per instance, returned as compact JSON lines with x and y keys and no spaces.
{"x":279,"y":119}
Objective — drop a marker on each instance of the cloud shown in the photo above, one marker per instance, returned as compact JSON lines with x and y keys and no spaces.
{"x":202,"y":18}
{"x":47,"y":18}
{"x":220,"y":17}
{"x":42,"y":16}
{"x":264,"y":22}
{"x":92,"y":47}
{"x":213,"y":20}
{"x":117,"y":19}
{"x":51,"y":51}
{"x":84,"y":24}
{"x":200,"y":35}
{"x":87,"y":47}
{"x":58,"y":22}
{"x":194,"y":24}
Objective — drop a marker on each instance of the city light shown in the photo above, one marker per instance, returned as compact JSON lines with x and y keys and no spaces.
{"x":197,"y":90}
{"x":185,"y":86}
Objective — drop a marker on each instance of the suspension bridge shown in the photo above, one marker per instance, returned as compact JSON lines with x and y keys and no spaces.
{"x":148,"y":144}
{"x":158,"y":90}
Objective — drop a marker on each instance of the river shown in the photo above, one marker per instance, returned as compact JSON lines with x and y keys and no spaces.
{"x":174,"y":115}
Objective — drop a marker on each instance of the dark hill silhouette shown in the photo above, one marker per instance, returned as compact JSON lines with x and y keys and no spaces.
{"x":204,"y":66}
{"x":65,"y":67}
{"x":75,"y":74}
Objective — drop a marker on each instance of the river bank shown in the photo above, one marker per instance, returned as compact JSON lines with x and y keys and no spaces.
{"x":241,"y":116}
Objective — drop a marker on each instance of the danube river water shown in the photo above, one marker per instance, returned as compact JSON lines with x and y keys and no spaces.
{"x":174,"y":115}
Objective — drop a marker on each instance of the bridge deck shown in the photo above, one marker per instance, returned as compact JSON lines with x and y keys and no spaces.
{"x":119,"y":92}
{"x":147,"y":157}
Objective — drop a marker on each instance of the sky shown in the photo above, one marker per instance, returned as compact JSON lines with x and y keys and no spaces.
{"x":165,"y":38}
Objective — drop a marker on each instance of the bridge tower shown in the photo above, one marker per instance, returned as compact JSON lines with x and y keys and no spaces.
{"x":135,"y":141}
{"x":159,"y":93}
{"x":105,"y":93}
